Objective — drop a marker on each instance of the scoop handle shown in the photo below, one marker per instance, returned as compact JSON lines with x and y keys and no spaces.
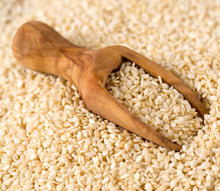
{"x":39,"y":47}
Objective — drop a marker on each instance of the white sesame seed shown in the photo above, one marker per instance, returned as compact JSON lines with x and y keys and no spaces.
{"x":49,"y":140}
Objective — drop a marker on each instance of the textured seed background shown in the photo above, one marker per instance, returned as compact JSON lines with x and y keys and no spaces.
{"x":50,"y":141}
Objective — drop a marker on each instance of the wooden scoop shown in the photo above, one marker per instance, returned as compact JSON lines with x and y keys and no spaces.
{"x":39,"y":47}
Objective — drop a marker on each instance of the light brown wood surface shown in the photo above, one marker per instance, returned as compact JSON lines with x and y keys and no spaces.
{"x":39,"y":47}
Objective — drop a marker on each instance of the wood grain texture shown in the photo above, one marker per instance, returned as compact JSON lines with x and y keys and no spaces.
{"x":39,"y":47}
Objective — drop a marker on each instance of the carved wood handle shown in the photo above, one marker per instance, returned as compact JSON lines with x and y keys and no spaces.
{"x":39,"y":47}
